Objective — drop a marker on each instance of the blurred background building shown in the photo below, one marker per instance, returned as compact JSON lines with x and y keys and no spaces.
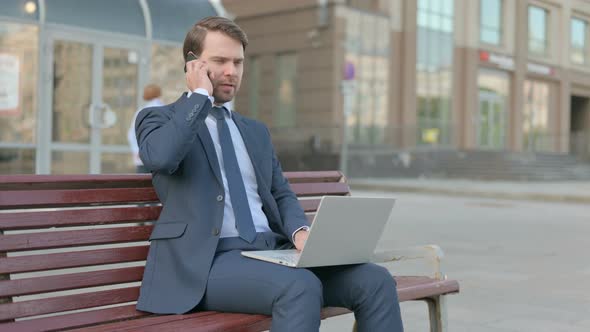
{"x":72,"y":75}
{"x":469,"y":88}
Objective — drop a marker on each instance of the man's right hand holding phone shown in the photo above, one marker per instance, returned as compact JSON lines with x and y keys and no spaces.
{"x":198,"y":75}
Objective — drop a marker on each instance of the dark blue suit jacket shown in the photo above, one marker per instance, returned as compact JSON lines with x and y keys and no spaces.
{"x":174,"y":143}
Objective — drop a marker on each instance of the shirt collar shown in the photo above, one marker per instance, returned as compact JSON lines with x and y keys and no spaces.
{"x":212,"y":99}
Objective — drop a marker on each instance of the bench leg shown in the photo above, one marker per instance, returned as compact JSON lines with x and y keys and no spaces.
{"x":437,"y":309}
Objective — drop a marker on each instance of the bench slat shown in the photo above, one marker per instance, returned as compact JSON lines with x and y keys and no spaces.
{"x":32,"y":263}
{"x":213,"y":322}
{"x":74,"y":181}
{"x":310,"y":205}
{"x":315,"y":176}
{"x":320,"y":189}
{"x":77,"y":181}
{"x":76,"y":319}
{"x":413,"y":288}
{"x":63,"y":218}
{"x":50,"y":240}
{"x":11,"y":199}
{"x":101,"y":216}
{"x":55,"y":283}
{"x":69,"y":302}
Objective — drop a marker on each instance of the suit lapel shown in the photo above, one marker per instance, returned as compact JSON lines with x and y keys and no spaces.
{"x":207,"y":143}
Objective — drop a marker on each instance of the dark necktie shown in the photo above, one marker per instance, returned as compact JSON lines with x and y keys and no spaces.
{"x":237,"y":191}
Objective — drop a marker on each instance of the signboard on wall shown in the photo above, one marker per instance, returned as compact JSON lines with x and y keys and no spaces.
{"x":502,"y":61}
{"x":10,"y":68}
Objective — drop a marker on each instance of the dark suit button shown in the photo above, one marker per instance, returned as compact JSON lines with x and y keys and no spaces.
{"x":220,"y":198}
{"x":215,"y":231}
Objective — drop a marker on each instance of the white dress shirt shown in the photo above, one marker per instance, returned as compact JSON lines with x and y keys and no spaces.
{"x":228,"y":228}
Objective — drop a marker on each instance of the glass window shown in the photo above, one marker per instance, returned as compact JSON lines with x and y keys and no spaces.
{"x":286,"y":69}
{"x":253,"y":78}
{"x":18,"y":82}
{"x":490,"y":18}
{"x":434,"y":71}
{"x":535,"y":125}
{"x":17,"y":161}
{"x":368,"y":50}
{"x":72,"y":91}
{"x":119,"y":92}
{"x":172,"y":19}
{"x":538,"y":30}
{"x":166,"y":70}
{"x":579,"y":45}
{"x":23,"y":9}
{"x":70,"y":162}
{"x":110,"y":15}
{"x":113,"y":163}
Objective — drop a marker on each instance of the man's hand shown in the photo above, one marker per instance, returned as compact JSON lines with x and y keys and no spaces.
{"x":300,"y":238}
{"x":198,"y":76}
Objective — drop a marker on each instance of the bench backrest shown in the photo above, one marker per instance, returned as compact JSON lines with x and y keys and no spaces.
{"x":65,"y":241}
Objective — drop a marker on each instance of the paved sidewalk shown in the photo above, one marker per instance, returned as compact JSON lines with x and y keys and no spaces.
{"x":568,"y":191}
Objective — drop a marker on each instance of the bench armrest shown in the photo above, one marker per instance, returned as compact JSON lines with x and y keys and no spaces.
{"x":432,"y":253}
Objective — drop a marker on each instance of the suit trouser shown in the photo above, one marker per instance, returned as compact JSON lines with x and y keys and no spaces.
{"x":294,"y":297}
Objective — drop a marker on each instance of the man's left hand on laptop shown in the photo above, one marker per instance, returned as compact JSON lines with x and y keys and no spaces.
{"x":300,"y":238}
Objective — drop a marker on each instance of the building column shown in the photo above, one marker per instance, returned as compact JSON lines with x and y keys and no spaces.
{"x":395,"y":125}
{"x":408,"y":75}
{"x":465,"y":69}
{"x":520,"y":69}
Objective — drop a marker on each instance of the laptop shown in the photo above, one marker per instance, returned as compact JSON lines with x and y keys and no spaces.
{"x":345,"y":230}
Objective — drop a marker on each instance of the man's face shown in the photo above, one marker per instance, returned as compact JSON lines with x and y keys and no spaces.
{"x":225,"y":60}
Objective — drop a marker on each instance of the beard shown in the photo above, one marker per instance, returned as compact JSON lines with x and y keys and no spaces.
{"x":223,"y":93}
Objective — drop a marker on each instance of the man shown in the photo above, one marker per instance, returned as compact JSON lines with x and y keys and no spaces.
{"x":223,"y":191}
{"x":151,"y":94}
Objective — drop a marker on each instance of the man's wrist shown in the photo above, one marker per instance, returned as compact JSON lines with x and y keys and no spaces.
{"x":302,"y":228}
{"x":204,"y":92}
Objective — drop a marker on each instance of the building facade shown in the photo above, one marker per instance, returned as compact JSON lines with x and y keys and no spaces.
{"x":491,"y":75}
{"x":72,"y":74}
{"x":331,"y":78}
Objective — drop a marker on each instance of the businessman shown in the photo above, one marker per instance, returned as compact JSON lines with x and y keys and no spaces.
{"x":223,"y":192}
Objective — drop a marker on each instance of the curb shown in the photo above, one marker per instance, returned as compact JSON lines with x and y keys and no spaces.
{"x":472,"y":193}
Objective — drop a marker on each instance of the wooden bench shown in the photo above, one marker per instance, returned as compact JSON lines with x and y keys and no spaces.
{"x":72,"y":250}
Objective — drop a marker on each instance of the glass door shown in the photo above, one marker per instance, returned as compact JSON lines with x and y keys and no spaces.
{"x":93,"y":94}
{"x":490,"y":121}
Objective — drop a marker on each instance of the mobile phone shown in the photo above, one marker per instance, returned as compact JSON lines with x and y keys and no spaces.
{"x":190,"y":57}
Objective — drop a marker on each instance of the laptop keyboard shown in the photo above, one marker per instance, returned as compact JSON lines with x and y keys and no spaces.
{"x":291,"y":257}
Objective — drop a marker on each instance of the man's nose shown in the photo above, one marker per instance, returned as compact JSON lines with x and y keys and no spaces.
{"x":229,"y":69}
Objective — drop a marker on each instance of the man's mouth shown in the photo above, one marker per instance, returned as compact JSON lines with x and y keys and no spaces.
{"x":226,"y":86}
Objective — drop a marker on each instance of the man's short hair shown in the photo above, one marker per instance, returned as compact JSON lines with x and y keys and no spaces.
{"x":195,"y":37}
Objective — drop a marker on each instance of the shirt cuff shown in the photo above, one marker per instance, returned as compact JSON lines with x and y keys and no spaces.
{"x":304,"y":228}
{"x":203,"y":92}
